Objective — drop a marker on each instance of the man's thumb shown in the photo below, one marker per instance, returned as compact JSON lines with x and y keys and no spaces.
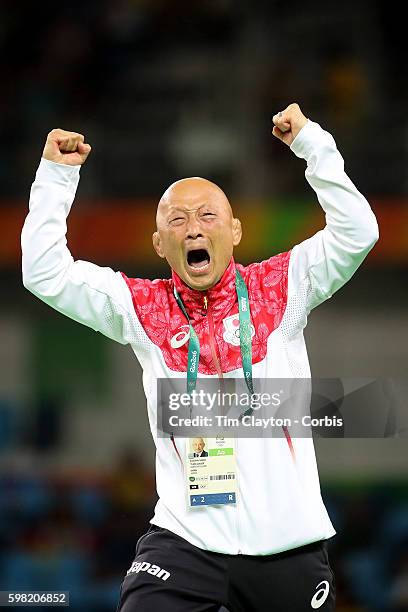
{"x":83,"y":148}
{"x":277,"y":132}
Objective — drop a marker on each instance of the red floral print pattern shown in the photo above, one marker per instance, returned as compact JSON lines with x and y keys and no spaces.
{"x":162,"y":319}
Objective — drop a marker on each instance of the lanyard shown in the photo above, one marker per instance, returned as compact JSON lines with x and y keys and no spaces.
{"x":245,"y":341}
{"x":244,"y":337}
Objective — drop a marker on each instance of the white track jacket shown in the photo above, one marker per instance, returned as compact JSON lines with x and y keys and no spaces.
{"x":279,"y":504}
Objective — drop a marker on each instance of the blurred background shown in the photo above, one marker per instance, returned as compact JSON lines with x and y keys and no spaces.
{"x":162,"y":90}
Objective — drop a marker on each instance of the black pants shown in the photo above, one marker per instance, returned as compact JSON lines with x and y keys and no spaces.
{"x":170,"y":575}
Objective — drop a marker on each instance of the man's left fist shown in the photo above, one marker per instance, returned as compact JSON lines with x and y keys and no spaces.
{"x":288,"y":123}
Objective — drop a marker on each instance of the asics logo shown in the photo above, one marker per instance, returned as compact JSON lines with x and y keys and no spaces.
{"x":144,"y":566}
{"x":180,"y":337}
{"x":320,"y":596}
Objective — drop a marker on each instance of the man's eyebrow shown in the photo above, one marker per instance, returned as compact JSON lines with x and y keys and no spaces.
{"x":175,"y":209}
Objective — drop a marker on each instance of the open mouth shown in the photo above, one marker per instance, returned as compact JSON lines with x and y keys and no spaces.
{"x":198,"y":258}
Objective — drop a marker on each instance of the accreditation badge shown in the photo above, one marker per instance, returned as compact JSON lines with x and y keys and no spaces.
{"x":211,"y":475}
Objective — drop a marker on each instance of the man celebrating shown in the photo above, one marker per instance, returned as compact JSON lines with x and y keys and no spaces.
{"x":264,"y":548}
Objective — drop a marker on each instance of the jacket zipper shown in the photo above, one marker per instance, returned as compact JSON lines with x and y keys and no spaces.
{"x":217,"y":364}
{"x":207,"y":308}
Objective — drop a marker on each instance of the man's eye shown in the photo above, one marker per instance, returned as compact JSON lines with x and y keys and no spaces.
{"x":176,"y":219}
{"x":208,"y":214}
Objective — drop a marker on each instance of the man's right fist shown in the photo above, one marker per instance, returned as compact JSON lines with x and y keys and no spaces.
{"x":64,"y":147}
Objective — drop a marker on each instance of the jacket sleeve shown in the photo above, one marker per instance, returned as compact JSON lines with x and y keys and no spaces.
{"x":95,"y":296}
{"x":325,"y":262}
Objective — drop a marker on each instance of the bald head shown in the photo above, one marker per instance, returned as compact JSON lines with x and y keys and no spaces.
{"x":196,"y":231}
{"x":190,"y":193}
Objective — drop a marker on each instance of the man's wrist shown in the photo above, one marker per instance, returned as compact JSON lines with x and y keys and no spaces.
{"x":61,"y":174}
{"x":310,"y":136}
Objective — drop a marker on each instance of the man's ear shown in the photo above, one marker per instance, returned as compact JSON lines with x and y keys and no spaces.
{"x":236,"y":231}
{"x":157,"y":244}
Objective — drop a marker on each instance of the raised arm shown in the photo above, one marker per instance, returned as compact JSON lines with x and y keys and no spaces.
{"x":95,"y":296}
{"x":323,"y":263}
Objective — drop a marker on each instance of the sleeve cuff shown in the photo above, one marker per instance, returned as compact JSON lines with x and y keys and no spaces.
{"x":59,"y":174}
{"x":310,"y":138}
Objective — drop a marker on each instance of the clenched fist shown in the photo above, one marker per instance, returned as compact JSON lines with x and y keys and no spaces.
{"x":65,"y":147}
{"x":288,"y":123}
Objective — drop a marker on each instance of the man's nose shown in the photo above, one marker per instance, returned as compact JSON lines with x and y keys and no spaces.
{"x":193,"y":229}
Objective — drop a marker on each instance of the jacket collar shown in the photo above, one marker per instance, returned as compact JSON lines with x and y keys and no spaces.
{"x":220,"y":297}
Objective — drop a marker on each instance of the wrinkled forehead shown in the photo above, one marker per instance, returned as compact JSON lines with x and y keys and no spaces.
{"x":191,"y":194}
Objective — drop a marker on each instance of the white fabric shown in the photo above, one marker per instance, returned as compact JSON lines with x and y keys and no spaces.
{"x":279,"y":503}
